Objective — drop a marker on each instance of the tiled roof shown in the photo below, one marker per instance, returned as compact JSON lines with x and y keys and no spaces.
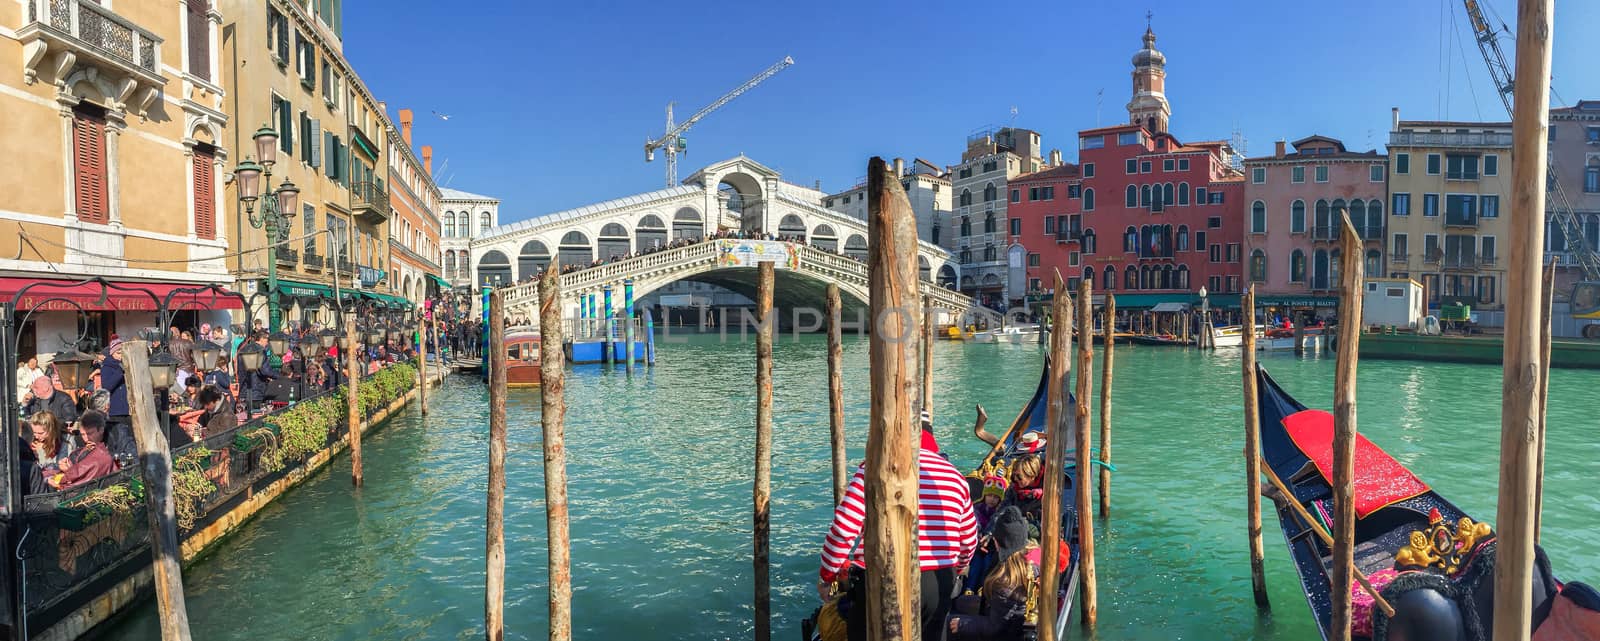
{"x":1053,"y":173}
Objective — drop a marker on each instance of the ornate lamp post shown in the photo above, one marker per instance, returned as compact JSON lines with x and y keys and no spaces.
{"x":73,"y":367}
{"x":276,"y":215}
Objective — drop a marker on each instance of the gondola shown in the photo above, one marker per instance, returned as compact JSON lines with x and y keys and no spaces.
{"x":1431,"y":561}
{"x":1006,"y":448}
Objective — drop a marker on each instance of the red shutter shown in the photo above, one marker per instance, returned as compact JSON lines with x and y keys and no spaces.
{"x":89,"y":164}
{"x":199,"y":38}
{"x":205,"y":199}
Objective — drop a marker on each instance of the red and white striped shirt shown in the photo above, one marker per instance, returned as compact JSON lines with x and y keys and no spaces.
{"x":947,"y":533}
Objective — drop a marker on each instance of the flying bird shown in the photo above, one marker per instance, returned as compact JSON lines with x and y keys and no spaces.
{"x":442,"y":116}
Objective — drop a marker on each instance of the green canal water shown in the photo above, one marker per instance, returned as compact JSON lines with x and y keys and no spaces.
{"x":661,"y":467}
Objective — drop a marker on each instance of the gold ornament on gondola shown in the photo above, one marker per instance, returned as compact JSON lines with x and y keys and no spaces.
{"x":1440,"y":547}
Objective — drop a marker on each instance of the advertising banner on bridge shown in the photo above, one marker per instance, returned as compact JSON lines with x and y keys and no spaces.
{"x":749,"y":253}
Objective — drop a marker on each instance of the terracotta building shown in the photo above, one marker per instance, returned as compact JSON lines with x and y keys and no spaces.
{"x":1047,"y":208}
{"x":414,"y":245}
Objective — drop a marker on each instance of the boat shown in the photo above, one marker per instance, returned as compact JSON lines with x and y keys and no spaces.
{"x":1429,"y":558}
{"x":1227,"y":336}
{"x":1156,"y":339}
{"x":1570,"y":353}
{"x":957,"y":333}
{"x":1279,"y":339}
{"x":522,"y":360}
{"x":1014,"y":334}
{"x":1007,"y":447}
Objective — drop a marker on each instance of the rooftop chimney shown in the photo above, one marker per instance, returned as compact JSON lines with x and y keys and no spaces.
{"x":405,"y":126}
{"x":1055,"y":157}
{"x":1395,"y":117}
{"x":427,"y":157}
{"x":1280,"y":150}
{"x":899,"y":167}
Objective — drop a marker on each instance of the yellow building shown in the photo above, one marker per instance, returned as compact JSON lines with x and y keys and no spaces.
{"x":115,"y":141}
{"x":1449,"y":202}
{"x":287,"y":71}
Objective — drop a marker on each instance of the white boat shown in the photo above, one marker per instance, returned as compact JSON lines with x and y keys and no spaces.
{"x":1016,"y":335}
{"x":1229,"y":336}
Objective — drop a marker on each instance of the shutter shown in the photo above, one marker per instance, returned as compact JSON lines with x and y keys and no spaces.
{"x":311,"y":65}
{"x":205,"y":213}
{"x":199,"y":39}
{"x":286,"y":127}
{"x":333,"y":165}
{"x":315,"y":138}
{"x":305,"y":136}
{"x":283,"y":39}
{"x":89,"y":169}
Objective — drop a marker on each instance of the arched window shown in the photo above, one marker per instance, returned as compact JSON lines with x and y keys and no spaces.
{"x":1144,"y":195}
{"x":1374,"y":262}
{"x":449,"y":221}
{"x":1130,"y":278}
{"x":1183,"y":193}
{"x":856,"y":247}
{"x":532,"y":259}
{"x":1088,"y":274}
{"x":825,"y":238}
{"x":614,"y":241}
{"x":575,"y":250}
{"x":1319,"y":269}
{"x":1297,"y":267}
{"x":1132,"y":196}
{"x":1358,"y":217}
{"x":1146,"y":281}
{"x":483,"y":224}
{"x":966,"y":197}
{"x":989,"y":223}
{"x":1322,"y":224}
{"x":791,"y":225}
{"x":966,"y":257}
{"x":1297,"y":217}
{"x":1333,"y":269}
{"x":1181,"y":242}
{"x":1375,"y":218}
{"x":494,"y":269}
{"x":1258,"y":266}
{"x":1087,"y":242}
{"x":1130,"y":239}
{"x":450,"y":265}
{"x":1142,"y":245}
{"x":686,"y":224}
{"x":1166,"y":277}
{"x":1258,"y":217}
{"x":1183,"y":277}
{"x":989,"y":192}
{"x":1166,"y":194}
{"x":966,"y":226}
{"x":650,"y":232}
{"x":1088,"y":200}
{"x":990,"y":254}
{"x":1110,"y":280}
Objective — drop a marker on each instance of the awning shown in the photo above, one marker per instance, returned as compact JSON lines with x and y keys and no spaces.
{"x":49,"y":295}
{"x":391,"y":301}
{"x":1170,"y":307}
{"x":296,"y":288}
{"x":444,"y":285}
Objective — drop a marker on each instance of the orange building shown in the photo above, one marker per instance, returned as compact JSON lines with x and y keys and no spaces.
{"x":414,"y":229}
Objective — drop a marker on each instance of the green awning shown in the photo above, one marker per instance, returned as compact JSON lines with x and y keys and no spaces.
{"x":391,"y":301}
{"x":1297,"y":300}
{"x":296,"y":288}
{"x":1147,"y":301}
{"x":444,"y":285}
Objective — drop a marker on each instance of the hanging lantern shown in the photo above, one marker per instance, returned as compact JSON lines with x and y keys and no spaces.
{"x":278,"y":342}
{"x":163,"y":370}
{"x":251,"y":356}
{"x":73,"y":367}
{"x":206,"y":354}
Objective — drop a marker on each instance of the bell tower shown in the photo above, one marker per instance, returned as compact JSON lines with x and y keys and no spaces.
{"x":1149,"y":105}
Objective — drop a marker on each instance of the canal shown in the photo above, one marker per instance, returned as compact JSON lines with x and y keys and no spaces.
{"x":661,"y":465}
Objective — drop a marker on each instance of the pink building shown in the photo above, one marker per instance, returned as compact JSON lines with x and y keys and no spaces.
{"x":1293,"y":203}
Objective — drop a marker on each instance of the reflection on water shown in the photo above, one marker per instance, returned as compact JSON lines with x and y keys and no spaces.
{"x":660,"y":466}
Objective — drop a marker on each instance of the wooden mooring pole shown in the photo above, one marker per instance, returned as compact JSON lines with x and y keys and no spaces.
{"x":495,"y":543}
{"x":352,"y":395}
{"x":841,"y":476}
{"x":155,"y":468}
{"x":762,"y":494}
{"x":422,"y":366}
{"x":552,"y":415}
{"x":1344,"y":427}
{"x":1109,"y":329}
{"x":1544,"y":394}
{"x":1058,"y":423}
{"x":1087,"y":589}
{"x":927,"y":358}
{"x":1521,"y":412}
{"x":1252,"y":452}
{"x":890,"y":537}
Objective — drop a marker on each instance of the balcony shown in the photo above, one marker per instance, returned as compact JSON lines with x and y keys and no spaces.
{"x":370,"y":202}
{"x":1450,"y":139}
{"x":1459,"y":219}
{"x":287,"y":257}
{"x":62,"y":34}
{"x":1487,"y":260}
{"x":1433,"y":258}
{"x":345,"y":266}
{"x":1465,"y":262}
{"x":1400,"y":258}
{"x":1325,"y":234}
{"x":312,"y":261}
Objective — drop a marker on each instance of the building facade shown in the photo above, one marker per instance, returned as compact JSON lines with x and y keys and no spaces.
{"x":414,"y":249}
{"x":1447,"y":181}
{"x":1170,"y":214}
{"x":116,"y":142}
{"x":466,"y":216}
{"x":288,"y":73}
{"x":1575,"y":155}
{"x":991,"y":263}
{"x":927,"y":187}
{"x":1048,"y":207}
{"x":1295,"y":201}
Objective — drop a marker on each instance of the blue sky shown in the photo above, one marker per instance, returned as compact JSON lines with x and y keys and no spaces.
{"x":550,"y":102}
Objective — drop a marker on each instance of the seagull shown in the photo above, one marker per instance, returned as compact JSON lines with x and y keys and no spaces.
{"x":442,"y":116}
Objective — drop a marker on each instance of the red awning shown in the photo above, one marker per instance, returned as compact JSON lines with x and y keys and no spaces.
{"x":72,"y":296}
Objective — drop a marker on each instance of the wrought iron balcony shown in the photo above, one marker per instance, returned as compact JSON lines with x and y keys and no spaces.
{"x":82,"y":31}
{"x":312,"y":261}
{"x":1449,"y":139}
{"x":1325,"y":233}
{"x":370,"y":201}
{"x":287,"y":256}
{"x":1461,"y":261}
{"x":346,"y":267}
{"x":1370,"y":232}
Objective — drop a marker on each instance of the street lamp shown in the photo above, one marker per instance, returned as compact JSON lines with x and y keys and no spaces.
{"x":1205,"y":318}
{"x":251,"y":356}
{"x":373,"y":335}
{"x":73,"y":367}
{"x":206,"y":355}
{"x":163,"y":370}
{"x":278,"y":342}
{"x":276,"y":216}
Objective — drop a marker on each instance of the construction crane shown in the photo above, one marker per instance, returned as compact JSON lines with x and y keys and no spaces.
{"x":1558,"y":207}
{"x":673,"y":142}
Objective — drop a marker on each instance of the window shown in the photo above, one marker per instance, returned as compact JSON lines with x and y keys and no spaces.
{"x":1486,"y":250}
{"x":1128,"y":138}
{"x":1132,"y":196}
{"x":1199,"y":195}
{"x":309,"y":214}
{"x":1144,"y":195}
{"x":1235,"y":251}
{"x":1033,"y":285}
{"x":1092,"y":142}
{"x":1258,"y":218}
{"x":989,"y":254}
{"x":828,"y":203}
{"x":1168,"y":164}
{"x":483,"y":224}
{"x":990,"y":193}
{"x":1297,"y":217}
{"x":1183,"y":164}
{"x":966,"y":226}
{"x":1402,"y":204}
{"x":1166,"y":194}
{"x":1430,"y":204}
{"x":1050,"y":193}
{"x":1181,"y":242}
{"x":1216,"y":253}
{"x":1591,"y":180}
{"x":1216,"y":197}
{"x":89,"y":163}
{"x":277,"y":35}
{"x":1016,"y":226}
{"x":1486,"y":289}
{"x":1088,"y":170}
{"x":1087,"y":243}
{"x":1433,"y":164}
{"x":1399,"y":251}
{"x":1016,"y":195}
{"x":1132,"y":166}
{"x":1430,"y":248}
{"x":1258,"y":266}
{"x":1144,"y":166}
{"x":1033,"y":259}
{"x":199,"y":34}
{"x":1322,"y":173}
{"x":966,"y":172}
{"x":990,"y":166}
{"x":1215,"y":283}
{"x":1088,"y":200}
{"x":1402,"y":163}
{"x":305,"y":60}
{"x":1297,"y":267}
{"x":1460,"y":209}
{"x":1049,"y":224}
{"x":1130,"y":240}
{"x":1258,"y":175}
{"x":1199,"y":240}
{"x":935,"y":235}
{"x":1461,"y":167}
{"x":966,"y":257}
{"x":205,"y":195}
{"x":989,"y":226}
{"x":1489,"y":206}
{"x":1491,"y":165}
{"x":283,"y":114}
{"x":1297,"y":174}
{"x":1131,"y":279}
{"x":1183,"y":193}
{"x":964,"y":200}
{"x":1375,"y":173}
{"x":1075,"y":190}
